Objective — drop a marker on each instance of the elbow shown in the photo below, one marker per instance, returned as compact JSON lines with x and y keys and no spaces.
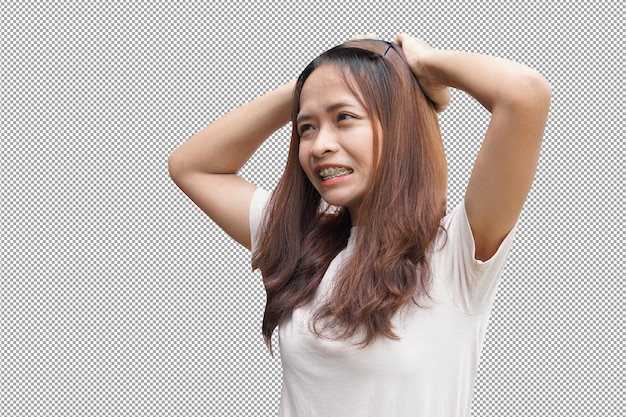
{"x":534,"y":91}
{"x":541,"y":90}
{"x":174,"y":166}
{"x":528,"y":94}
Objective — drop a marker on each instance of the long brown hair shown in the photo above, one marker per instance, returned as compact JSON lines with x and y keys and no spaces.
{"x":402,"y":208}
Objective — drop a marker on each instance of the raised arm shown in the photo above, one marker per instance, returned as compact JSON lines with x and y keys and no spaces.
{"x":205,"y":166}
{"x":518,"y":99}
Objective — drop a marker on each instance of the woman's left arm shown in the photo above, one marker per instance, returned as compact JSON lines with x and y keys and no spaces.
{"x":518,"y":99}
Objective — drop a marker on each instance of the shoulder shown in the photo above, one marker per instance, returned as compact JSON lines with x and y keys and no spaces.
{"x":258,"y":206}
{"x":471,"y":282}
{"x":456,"y":235}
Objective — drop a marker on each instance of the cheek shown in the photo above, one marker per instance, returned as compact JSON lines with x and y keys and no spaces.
{"x":368,"y":149}
{"x":303,"y":155}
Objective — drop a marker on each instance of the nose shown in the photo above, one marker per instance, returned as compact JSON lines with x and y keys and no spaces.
{"x":325,"y":142}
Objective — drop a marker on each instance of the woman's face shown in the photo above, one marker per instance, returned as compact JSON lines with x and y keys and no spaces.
{"x":336,"y":139}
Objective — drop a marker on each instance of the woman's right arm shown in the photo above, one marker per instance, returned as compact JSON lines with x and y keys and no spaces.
{"x":205,"y":166}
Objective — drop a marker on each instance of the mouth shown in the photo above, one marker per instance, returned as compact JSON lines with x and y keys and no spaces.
{"x":334,"y":172}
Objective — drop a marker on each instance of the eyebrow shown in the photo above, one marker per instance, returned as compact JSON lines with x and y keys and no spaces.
{"x":329,"y":108}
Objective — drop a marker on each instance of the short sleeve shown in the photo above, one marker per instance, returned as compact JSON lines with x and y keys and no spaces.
{"x":260,"y":198}
{"x":471,"y":283}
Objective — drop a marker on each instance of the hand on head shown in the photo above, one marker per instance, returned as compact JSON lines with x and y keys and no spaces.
{"x":417,"y":54}
{"x":370,"y":35}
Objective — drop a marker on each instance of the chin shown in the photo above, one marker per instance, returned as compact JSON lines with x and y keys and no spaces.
{"x":340,"y":202}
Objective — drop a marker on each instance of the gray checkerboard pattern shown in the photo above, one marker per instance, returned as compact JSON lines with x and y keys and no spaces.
{"x":119,"y":297}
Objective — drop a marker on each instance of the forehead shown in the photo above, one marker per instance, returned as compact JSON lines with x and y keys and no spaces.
{"x":325,"y":85}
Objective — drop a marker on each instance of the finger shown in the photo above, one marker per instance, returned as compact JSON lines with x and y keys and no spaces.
{"x":405,"y":37}
{"x":401,"y":37}
{"x":370,"y":35}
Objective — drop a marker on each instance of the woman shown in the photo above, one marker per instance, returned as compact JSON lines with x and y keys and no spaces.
{"x":381,"y":299}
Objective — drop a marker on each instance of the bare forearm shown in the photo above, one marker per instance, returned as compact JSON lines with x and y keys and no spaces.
{"x":490,"y":80}
{"x":225,"y":145}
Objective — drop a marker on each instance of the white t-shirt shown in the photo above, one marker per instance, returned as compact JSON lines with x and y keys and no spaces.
{"x":429,"y":372}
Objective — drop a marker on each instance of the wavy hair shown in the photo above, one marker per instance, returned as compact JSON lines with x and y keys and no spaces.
{"x":402,"y":208}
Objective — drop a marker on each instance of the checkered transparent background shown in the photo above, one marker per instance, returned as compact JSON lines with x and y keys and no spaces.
{"x":119,"y":297}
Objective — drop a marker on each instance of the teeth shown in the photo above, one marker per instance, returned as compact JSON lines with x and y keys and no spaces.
{"x":328,"y":173}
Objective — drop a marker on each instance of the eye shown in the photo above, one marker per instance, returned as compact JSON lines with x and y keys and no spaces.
{"x":344,"y":116}
{"x":304,"y":128}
